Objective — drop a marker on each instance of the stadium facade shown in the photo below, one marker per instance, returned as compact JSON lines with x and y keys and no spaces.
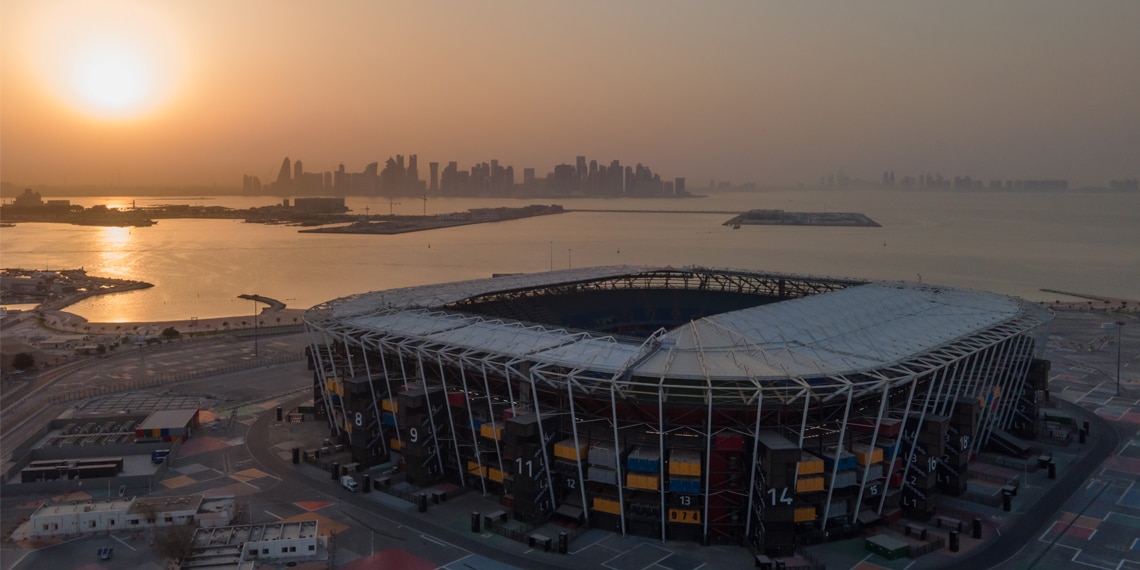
{"x":715,"y":405}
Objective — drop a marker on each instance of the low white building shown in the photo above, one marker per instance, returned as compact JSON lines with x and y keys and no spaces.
{"x":110,"y":515}
{"x":242,"y":547}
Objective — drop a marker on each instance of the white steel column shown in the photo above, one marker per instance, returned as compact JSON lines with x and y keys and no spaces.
{"x":918,"y":427}
{"x":510,"y":391}
{"x":542,"y":442}
{"x":804,"y":417}
{"x":319,"y":366}
{"x":491,"y":410}
{"x":871,"y":452}
{"x":708,"y":462}
{"x":986,"y":419}
{"x":372,"y":389}
{"x":661,"y":452}
{"x":471,"y":424}
{"x":838,"y":454}
{"x":431,"y":416}
{"x":451,"y":420}
{"x":898,"y":446}
{"x":755,"y":461}
{"x":617,"y":456}
{"x":391,"y":394}
{"x":337,"y":380}
{"x":1018,"y":382}
{"x":578,"y":448}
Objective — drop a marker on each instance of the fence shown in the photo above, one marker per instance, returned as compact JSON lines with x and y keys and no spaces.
{"x":937,"y":544}
{"x":510,"y":530}
{"x":930,"y":545}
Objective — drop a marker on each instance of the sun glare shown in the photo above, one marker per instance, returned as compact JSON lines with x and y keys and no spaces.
{"x":112,"y":80}
{"x":108,"y":60}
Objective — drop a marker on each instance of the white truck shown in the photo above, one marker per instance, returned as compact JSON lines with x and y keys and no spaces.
{"x":348,"y":482}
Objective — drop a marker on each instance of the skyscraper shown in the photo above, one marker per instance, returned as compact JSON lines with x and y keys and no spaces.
{"x":412,"y":176}
{"x":433,"y":168}
{"x":283,"y":179}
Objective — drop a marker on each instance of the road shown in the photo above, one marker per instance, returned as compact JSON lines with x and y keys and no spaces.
{"x":421,"y":534}
{"x":1031,"y":523}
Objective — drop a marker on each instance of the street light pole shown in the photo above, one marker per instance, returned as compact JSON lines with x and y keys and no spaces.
{"x":552,"y":256}
{"x":255,"y":355}
{"x":1119,"y":325}
{"x":569,"y":259}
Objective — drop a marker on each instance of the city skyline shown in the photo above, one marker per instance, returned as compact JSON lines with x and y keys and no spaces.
{"x":179,"y":93}
{"x":583,"y":178}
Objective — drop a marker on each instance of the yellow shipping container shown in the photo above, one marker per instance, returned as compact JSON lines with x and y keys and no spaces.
{"x":494,"y":475}
{"x":862,"y":456}
{"x":566,"y":450}
{"x":809,"y":484}
{"x":805,"y":514}
{"x":810,"y":465}
{"x":607,"y":506}
{"x":390,"y":406}
{"x":492,"y":430}
{"x":474,"y":469}
{"x":638,"y":481}
{"x":684,"y":468}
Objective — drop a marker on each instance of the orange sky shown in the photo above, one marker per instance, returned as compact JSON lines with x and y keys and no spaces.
{"x":772,"y":92}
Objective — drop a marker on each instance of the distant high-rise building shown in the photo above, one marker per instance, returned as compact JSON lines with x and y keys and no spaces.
{"x":679,"y":186}
{"x":433,"y":169}
{"x":250,"y":184}
{"x":565,"y":179}
{"x":449,"y":180}
{"x":283,"y":178}
{"x":298,"y":170}
{"x":412,"y":176}
{"x":528,"y":180}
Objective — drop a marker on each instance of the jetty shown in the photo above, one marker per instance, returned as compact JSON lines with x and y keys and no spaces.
{"x":785,"y":218}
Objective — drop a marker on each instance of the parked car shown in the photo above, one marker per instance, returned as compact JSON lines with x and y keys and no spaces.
{"x":106,"y":553}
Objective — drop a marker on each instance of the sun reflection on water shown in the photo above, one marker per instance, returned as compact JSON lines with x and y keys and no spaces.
{"x":114,"y":244}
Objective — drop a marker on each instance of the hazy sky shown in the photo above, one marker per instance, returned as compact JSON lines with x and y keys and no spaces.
{"x":200,"y":92}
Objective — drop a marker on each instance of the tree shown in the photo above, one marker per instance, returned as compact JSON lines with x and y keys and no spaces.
{"x":100,"y":348}
{"x":176,"y":541}
{"x":170,"y":333}
{"x":23,"y":361}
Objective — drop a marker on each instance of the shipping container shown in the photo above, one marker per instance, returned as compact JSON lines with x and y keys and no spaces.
{"x":644,"y":459}
{"x":566,"y":449}
{"x":685,"y":462}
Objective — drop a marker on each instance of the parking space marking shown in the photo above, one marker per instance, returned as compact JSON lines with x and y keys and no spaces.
{"x":121,"y":541}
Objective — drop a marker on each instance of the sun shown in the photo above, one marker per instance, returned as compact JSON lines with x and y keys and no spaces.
{"x":108,"y":60}
{"x":113,"y":80}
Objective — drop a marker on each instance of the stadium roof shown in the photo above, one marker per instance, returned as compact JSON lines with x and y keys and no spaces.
{"x":852,"y":331}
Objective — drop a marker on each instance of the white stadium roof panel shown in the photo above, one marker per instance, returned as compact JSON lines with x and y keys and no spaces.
{"x":845,"y":331}
{"x":854,"y":330}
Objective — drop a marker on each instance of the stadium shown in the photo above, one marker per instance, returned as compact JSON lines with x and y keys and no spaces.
{"x":721,"y":406}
